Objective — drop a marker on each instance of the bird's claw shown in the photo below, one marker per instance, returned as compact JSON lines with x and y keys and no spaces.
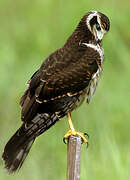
{"x":74,"y":133}
{"x":64,"y":140}
{"x":86,"y":134}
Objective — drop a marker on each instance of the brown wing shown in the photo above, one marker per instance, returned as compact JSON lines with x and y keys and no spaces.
{"x":62,"y":74}
{"x":57,"y":78}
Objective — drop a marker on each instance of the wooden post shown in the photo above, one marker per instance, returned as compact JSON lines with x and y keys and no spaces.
{"x":73,"y":158}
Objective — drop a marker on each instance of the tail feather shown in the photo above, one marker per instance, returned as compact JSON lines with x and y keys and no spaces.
{"x":17,"y":158}
{"x":20,"y":143}
{"x":16,"y":150}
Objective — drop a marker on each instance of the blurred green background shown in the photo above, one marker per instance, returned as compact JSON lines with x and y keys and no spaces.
{"x":29,"y":32}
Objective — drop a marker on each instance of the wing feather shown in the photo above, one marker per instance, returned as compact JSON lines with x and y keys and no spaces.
{"x":60,"y":75}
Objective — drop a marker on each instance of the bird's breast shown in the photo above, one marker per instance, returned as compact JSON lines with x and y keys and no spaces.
{"x":89,"y":90}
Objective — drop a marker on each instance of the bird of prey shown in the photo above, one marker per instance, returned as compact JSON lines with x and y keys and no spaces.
{"x":65,"y":79}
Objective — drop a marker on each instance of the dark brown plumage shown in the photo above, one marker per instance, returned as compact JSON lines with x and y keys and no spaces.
{"x":60,"y":85}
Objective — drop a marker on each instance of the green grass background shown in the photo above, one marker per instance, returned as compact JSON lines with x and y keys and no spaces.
{"x":29,"y":32}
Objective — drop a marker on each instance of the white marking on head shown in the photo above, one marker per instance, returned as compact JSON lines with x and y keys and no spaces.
{"x":93,"y":13}
{"x":98,"y":34}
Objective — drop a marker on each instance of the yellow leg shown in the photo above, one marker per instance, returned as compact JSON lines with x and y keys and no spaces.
{"x":72,"y":131}
{"x":69,"y":118}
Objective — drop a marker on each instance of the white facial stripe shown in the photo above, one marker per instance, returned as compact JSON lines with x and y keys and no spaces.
{"x":98,"y":20}
{"x":94,"y":13}
{"x":96,"y":48}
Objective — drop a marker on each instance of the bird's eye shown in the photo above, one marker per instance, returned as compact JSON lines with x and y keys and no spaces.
{"x":98,"y":27}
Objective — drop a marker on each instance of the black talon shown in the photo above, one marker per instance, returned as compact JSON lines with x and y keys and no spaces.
{"x":64,"y":140}
{"x":87,"y":145}
{"x":86,"y":134}
{"x":82,"y":141}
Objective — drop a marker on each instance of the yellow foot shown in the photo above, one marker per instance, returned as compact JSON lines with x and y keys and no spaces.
{"x":74,"y":133}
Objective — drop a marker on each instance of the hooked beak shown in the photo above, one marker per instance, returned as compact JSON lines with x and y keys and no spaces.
{"x":99,"y":36}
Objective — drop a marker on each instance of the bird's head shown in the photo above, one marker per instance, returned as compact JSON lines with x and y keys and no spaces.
{"x":90,"y":29}
{"x":98,"y":24}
